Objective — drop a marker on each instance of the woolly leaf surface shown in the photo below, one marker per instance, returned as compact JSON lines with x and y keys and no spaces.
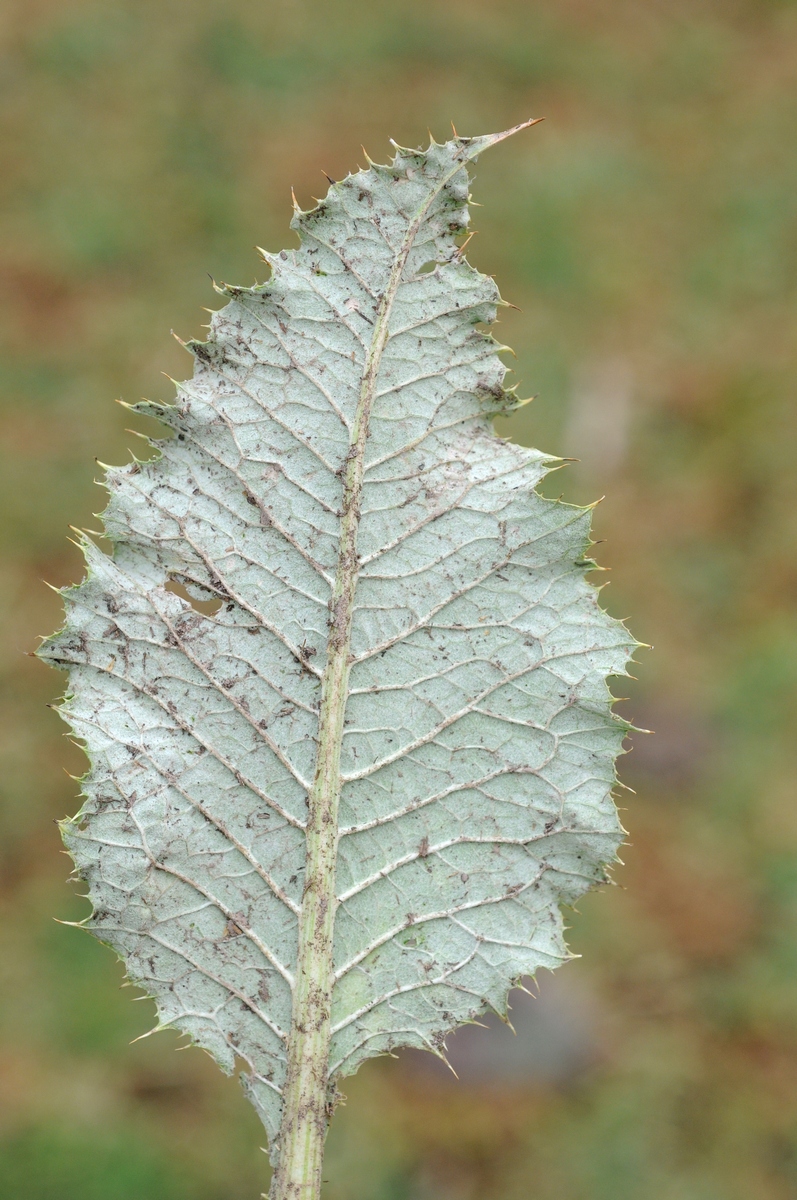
{"x":477,"y":758}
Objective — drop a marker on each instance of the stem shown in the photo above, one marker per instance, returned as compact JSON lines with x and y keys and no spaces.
{"x":307,"y":1103}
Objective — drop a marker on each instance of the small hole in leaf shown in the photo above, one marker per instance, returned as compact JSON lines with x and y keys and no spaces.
{"x":427,"y":267}
{"x":208,"y":607}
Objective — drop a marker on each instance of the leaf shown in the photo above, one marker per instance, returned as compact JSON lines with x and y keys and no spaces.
{"x":336,"y":810}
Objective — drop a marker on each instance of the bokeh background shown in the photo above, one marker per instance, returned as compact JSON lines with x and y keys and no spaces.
{"x":647,"y":233}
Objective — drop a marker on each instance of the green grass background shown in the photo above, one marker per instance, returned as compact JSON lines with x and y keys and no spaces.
{"x":647,"y":232}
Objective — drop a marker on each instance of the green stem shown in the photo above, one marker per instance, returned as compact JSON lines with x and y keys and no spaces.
{"x":306,"y":1099}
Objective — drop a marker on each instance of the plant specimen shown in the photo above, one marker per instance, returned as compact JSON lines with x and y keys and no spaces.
{"x":342,"y":681}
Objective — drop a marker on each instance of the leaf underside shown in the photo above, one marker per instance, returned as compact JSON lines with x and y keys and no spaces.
{"x":477,"y":758}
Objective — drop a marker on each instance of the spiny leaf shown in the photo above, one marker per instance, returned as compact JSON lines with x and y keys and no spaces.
{"x":335,"y":809}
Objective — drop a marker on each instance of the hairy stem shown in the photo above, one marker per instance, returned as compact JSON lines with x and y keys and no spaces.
{"x":307,"y":1099}
{"x":307,"y":1104}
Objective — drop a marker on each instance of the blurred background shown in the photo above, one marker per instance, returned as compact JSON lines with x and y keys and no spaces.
{"x":647,"y":233}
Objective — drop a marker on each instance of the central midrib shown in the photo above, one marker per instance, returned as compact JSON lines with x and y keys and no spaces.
{"x":306,"y":1107}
